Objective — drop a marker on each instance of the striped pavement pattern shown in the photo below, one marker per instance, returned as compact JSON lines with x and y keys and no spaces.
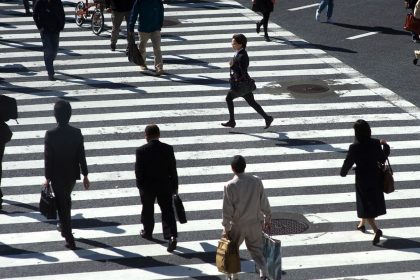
{"x":298,"y":158}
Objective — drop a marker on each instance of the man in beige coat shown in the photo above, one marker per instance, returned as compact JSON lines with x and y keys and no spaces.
{"x":246,"y":211}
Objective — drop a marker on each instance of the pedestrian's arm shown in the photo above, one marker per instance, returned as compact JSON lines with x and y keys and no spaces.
{"x":48,"y":158}
{"x":173,"y":173}
{"x":133,"y":17}
{"x":228,"y":209}
{"x":348,"y":162}
{"x":139,"y":169}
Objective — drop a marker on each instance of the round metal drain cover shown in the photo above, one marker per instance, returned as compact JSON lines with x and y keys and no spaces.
{"x":307,"y":88}
{"x":170,"y":22}
{"x":286,"y":226}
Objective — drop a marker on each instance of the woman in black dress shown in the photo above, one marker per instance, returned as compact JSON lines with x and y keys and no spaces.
{"x":366,"y":153}
{"x":239,"y":73}
{"x":265,"y":7}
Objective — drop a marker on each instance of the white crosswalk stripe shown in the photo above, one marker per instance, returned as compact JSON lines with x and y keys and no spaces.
{"x":298,"y":158}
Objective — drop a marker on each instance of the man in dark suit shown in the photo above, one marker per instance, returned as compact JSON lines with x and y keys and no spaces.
{"x":64,"y":157}
{"x":157,"y":178}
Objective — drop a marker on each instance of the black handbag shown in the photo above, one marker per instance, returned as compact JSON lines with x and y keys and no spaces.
{"x":179,"y":209}
{"x":388,"y":178}
{"x":47,"y":205}
{"x":133,"y":52}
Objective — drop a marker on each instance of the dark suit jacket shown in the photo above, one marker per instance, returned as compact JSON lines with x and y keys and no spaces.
{"x":64,"y":154}
{"x":239,"y":67}
{"x":156,"y":168}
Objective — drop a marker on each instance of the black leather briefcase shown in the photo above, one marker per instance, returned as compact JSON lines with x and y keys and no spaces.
{"x":179,"y":209}
{"x":47,"y":205}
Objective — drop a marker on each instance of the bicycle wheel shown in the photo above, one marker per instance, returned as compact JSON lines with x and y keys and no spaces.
{"x":79,"y":16}
{"x":97,"y":21}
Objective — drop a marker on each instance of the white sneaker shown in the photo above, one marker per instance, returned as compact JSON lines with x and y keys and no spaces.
{"x":317,"y":15}
{"x":232,"y":276}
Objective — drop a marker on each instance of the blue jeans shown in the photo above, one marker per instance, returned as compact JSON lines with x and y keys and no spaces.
{"x":50,"y":46}
{"x":323,"y":4}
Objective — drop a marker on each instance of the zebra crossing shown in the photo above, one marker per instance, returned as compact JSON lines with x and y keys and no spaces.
{"x":298,"y":158}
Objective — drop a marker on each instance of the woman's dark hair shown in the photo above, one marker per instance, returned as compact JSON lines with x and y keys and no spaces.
{"x":362,"y":130}
{"x":238,"y":164}
{"x":240,"y":39}
{"x":62,"y":112}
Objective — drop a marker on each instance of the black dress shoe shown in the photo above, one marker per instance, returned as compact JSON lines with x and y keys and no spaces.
{"x":267,"y":38}
{"x":415,"y":61}
{"x":71,"y":245}
{"x":145,"y":235}
{"x":171,"y":245}
{"x":361,"y":228}
{"x":258,"y":29}
{"x":231,"y":124}
{"x":378,"y":235}
{"x":268,"y":122}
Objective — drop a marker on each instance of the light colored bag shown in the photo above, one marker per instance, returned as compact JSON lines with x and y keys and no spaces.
{"x":227,"y":256}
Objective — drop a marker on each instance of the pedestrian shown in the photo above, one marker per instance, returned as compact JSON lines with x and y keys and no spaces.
{"x":366,"y":153}
{"x":49,"y":19}
{"x":150,"y":17}
{"x":246,"y":212}
{"x":330,"y":7}
{"x":239,"y":73}
{"x":27,"y":10}
{"x":157,"y":179}
{"x":265,"y":7}
{"x":5,"y":136}
{"x":64,"y":157}
{"x":121,"y":10}
{"x":411,"y":5}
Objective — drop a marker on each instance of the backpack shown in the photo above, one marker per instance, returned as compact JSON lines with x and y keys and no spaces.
{"x":8,"y":108}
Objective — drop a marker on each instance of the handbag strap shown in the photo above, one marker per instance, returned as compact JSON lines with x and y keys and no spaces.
{"x":390,"y":168}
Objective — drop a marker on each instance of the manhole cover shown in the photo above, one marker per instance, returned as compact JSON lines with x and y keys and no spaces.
{"x":286,"y":226}
{"x":307,"y":88}
{"x":170,"y":22}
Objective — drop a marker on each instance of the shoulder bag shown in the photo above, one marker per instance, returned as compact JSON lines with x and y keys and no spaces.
{"x":388,"y":178}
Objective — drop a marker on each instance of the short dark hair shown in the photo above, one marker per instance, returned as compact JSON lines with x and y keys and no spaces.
{"x":238,"y":164}
{"x":240,"y":39}
{"x":362,"y":130}
{"x":152,"y":131}
{"x":62,"y":111}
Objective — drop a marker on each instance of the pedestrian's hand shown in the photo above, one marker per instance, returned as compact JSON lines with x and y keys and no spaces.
{"x":383,"y":142}
{"x":46,"y":183}
{"x":86,"y":183}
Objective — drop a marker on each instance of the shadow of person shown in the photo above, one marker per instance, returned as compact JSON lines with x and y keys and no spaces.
{"x":309,"y":145}
{"x":7,"y":251}
{"x":132,"y":259}
{"x":400,"y":244}
{"x":380,"y":29}
{"x":17,"y":68}
{"x":81,"y":223}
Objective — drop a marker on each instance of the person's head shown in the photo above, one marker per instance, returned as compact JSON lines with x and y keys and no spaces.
{"x":238,"y":164}
{"x":238,"y":42}
{"x":362,"y":130}
{"x":62,"y":112}
{"x":152,"y":132}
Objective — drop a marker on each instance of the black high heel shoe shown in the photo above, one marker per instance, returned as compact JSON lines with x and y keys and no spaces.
{"x":361,"y":228}
{"x":378,"y":235}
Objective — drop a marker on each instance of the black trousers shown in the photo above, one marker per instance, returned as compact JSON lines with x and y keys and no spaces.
{"x":264,"y":21}
{"x":2,"y":146}
{"x":249,"y":98}
{"x":26,"y":5}
{"x":62,"y":192}
{"x":148,"y":211}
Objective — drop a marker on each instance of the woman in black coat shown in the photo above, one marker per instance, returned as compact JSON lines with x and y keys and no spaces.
{"x":366,"y":153}
{"x":265,"y":7}
{"x":239,"y":73}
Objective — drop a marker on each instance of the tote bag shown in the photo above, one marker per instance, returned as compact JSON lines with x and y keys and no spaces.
{"x":272,"y":255}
